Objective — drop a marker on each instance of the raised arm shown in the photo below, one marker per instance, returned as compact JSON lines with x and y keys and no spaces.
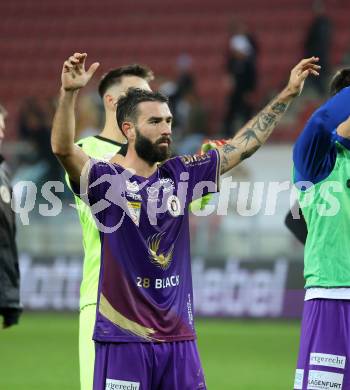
{"x":255,"y":133}
{"x":73,"y":78}
{"x":314,"y":152}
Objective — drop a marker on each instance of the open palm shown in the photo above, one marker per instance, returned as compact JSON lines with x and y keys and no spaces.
{"x":74,"y":76}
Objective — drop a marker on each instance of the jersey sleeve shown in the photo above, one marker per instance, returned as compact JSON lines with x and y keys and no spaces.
{"x":100,"y":179}
{"x":102,"y":175}
{"x":70,"y":185}
{"x":314,"y":152}
{"x":105,"y":191}
{"x":203,"y":173}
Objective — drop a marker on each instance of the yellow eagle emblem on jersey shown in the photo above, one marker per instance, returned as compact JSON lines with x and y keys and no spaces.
{"x":161,"y":260}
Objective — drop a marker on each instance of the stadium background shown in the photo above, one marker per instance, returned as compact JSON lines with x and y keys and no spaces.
{"x":247,"y":269}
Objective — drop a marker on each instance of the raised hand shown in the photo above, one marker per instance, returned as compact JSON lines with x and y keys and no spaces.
{"x":74,"y":76}
{"x":300,"y":72}
{"x":256,"y":132}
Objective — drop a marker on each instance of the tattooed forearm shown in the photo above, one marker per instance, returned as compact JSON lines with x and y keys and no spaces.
{"x":225,"y":164}
{"x":248,"y":153}
{"x":249,"y":135}
{"x":279,"y":108}
{"x":227,"y":148}
{"x":263,"y":121}
{"x":255,"y":133}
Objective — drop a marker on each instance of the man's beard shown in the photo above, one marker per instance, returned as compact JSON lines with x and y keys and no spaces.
{"x":149,"y":151}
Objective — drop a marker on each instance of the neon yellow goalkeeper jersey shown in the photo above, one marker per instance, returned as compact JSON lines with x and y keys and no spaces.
{"x":104,"y":149}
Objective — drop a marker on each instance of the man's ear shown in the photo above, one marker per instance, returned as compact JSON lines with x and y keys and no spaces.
{"x":129,"y":130}
{"x":110,"y":102}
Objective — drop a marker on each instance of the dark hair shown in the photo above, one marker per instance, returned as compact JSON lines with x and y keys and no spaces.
{"x":127,"y":104}
{"x":114,"y":76}
{"x":340,"y":80}
{"x":3,"y":111}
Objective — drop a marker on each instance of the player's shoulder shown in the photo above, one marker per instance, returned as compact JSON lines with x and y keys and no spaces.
{"x":103,"y":165}
{"x":175,"y":162}
{"x":191,"y":160}
{"x":188,"y":161}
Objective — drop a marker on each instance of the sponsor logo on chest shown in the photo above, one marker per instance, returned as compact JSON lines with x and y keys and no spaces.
{"x":132,"y":188}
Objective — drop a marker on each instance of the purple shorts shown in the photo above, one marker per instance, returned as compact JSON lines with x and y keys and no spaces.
{"x":324,"y":353}
{"x":148,"y":366}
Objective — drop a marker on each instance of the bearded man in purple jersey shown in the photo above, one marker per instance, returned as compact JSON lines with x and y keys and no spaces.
{"x":144,"y":332}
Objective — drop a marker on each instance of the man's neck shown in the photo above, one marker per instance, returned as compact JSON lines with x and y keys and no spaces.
{"x":133,"y":161}
{"x":111,"y":131}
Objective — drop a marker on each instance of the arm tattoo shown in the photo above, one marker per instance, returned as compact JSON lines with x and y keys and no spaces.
{"x":227,"y":148}
{"x":252,"y":136}
{"x":279,"y":108}
{"x":224,"y":163}
{"x":248,"y":135}
{"x":264,"y":121}
{"x":248,"y":153}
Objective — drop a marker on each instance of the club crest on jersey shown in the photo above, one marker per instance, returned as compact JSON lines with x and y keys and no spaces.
{"x":5,"y":194}
{"x":161,"y":260}
{"x":174,"y":206}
